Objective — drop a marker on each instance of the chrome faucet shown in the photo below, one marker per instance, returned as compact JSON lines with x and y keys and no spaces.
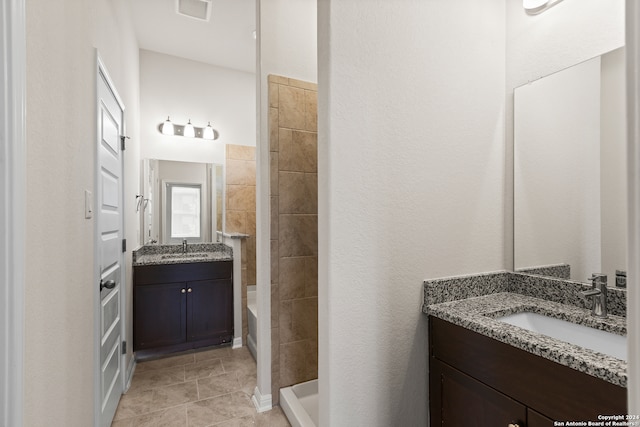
{"x":599,"y":293}
{"x":184,"y":246}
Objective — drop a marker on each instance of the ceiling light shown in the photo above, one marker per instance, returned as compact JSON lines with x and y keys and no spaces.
{"x":167,"y":127}
{"x":189,"y":131}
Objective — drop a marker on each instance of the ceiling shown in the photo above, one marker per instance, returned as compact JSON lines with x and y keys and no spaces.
{"x":226,"y":40}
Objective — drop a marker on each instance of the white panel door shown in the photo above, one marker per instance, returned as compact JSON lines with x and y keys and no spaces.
{"x":109,"y":237}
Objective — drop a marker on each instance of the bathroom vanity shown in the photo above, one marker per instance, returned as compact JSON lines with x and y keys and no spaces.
{"x":182,"y":300}
{"x":487,"y":372}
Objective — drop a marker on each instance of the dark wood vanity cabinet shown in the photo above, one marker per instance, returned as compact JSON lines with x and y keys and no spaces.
{"x":475,"y":380}
{"x":182,"y":306}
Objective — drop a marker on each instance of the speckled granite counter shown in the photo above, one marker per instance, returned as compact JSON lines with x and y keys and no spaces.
{"x":172,"y":254}
{"x":474,"y":302}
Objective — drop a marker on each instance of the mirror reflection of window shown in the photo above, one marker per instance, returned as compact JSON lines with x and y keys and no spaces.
{"x":184,"y":218}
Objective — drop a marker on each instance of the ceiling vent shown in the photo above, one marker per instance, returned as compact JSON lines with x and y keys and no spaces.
{"x":198,"y":9}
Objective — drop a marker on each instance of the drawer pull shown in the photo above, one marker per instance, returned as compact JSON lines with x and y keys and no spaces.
{"x":514,"y":425}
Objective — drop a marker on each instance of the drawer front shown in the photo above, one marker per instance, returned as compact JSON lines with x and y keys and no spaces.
{"x":169,"y":273}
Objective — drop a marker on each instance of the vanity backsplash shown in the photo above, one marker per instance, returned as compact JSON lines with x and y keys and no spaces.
{"x":562,"y":291}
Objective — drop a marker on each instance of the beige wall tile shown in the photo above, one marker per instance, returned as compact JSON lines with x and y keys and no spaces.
{"x":275,"y":261}
{"x":303,"y":85}
{"x":275,"y":358}
{"x":291,"y":109}
{"x":236,"y":221}
{"x":273,"y":173}
{"x":298,"y":193}
{"x":251,"y":223}
{"x":311,"y":111}
{"x":251,"y":260}
{"x":306,"y":145}
{"x":298,"y":235}
{"x":289,"y":330}
{"x":273,"y":94}
{"x":311,"y":357}
{"x":275,"y":306}
{"x":273,"y":129}
{"x":272,"y":78}
{"x":241,"y":172}
{"x":304,"y":313}
{"x":241,"y":152}
{"x":274,"y":205}
{"x":241,"y":198}
{"x":311,"y":276}
{"x":291,"y":278}
{"x":292,"y":363}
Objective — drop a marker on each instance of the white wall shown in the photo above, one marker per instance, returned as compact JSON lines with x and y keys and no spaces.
{"x":411,"y":176}
{"x":61,"y":144}
{"x":185,"y":89}
{"x":566,"y":34}
{"x":287,"y":46}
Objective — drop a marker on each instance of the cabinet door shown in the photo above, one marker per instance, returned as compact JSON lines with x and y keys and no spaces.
{"x":535,"y":419}
{"x":159,"y":314}
{"x":464,"y":401}
{"x":209,"y":309}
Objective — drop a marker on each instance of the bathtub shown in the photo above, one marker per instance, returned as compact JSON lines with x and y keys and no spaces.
{"x":252,"y":320}
{"x":300,"y":404}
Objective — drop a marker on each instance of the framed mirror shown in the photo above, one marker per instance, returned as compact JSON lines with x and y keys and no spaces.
{"x":570,"y":205}
{"x":182,"y":200}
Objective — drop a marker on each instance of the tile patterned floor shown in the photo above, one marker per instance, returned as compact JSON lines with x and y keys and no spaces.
{"x":200,"y":389}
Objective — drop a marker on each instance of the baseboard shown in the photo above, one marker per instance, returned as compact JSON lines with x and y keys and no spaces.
{"x":130,"y":370}
{"x":237,"y":343}
{"x":262,"y":402}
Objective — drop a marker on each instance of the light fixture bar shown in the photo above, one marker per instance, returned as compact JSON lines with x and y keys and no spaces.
{"x":206,"y":132}
{"x":534,"y":7}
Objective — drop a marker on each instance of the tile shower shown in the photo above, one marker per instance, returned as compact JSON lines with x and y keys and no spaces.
{"x":294,"y":231}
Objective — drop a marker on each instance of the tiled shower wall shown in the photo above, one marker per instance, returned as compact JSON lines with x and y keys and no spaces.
{"x":241,"y":212}
{"x":293,"y":137}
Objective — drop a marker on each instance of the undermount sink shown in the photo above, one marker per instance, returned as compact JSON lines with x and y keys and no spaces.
{"x":583,"y":336}
{"x":182,"y":256}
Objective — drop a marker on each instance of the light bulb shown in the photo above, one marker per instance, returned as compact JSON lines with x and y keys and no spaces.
{"x":207,"y":132}
{"x":189,"y":131}
{"x":167,"y":127}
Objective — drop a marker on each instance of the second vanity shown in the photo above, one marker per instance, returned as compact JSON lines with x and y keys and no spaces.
{"x":487,"y":372}
{"x":183,"y":297}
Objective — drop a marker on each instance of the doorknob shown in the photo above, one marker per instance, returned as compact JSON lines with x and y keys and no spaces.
{"x":109,"y":284}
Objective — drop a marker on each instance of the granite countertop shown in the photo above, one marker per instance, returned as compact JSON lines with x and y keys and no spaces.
{"x":478,"y":314}
{"x":172,"y":254}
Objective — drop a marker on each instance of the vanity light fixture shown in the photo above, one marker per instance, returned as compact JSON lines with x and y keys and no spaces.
{"x":188,"y":130}
{"x":534,"y":7}
{"x":208,"y":133}
{"x":167,"y":127}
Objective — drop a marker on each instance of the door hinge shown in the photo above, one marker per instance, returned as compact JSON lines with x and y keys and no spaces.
{"x":123,"y":138}
{"x":124,"y":245}
{"x":124,"y":347}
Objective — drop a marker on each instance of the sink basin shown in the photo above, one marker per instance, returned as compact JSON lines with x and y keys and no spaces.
{"x":182,"y":256}
{"x":594,"y":339}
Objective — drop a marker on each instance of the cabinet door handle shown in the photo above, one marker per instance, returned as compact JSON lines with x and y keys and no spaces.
{"x":183,"y":290}
{"x":189,"y":290}
{"x":514,"y":425}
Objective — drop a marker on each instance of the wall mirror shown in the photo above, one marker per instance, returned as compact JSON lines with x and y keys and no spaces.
{"x":182,"y":200}
{"x":570,"y":204}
